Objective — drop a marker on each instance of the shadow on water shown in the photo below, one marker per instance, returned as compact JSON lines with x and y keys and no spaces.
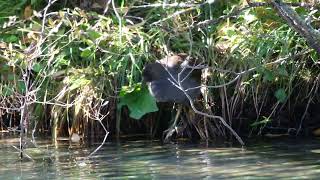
{"x":261,"y":159}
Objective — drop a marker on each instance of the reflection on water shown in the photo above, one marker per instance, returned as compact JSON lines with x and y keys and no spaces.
{"x":279,"y":159}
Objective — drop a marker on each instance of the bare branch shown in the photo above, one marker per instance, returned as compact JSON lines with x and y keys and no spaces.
{"x":99,"y":117}
{"x":237,"y":11}
{"x":294,"y":20}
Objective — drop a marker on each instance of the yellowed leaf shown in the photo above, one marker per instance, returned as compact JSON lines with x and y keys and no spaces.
{"x":27,"y":12}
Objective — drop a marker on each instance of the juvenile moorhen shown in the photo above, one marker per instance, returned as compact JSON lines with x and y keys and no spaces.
{"x":161,"y":75}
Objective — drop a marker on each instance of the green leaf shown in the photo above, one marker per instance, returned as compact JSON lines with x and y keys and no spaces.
{"x":37,"y":67}
{"x":268,"y":75}
{"x":80,"y":82}
{"x":4,"y":68}
{"x":315,"y":57}
{"x":93,"y":34}
{"x":262,"y":122}
{"x":62,"y":60}
{"x":122,"y":3}
{"x":38,"y":111}
{"x":21,"y":87}
{"x":281,"y":95}
{"x":11,"y":77}
{"x":138,"y":100}
{"x":86,"y":53}
{"x":33,"y":2}
{"x":282,"y":71}
{"x":11,"y":38}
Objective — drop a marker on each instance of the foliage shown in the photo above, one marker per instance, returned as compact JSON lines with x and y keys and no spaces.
{"x":138,"y":100}
{"x":85,"y":57}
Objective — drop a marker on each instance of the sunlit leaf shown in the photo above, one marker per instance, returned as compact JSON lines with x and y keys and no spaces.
{"x":36,"y":67}
{"x":248,"y":17}
{"x":79,"y":83}
{"x":94,"y":34}
{"x":86,"y":53}
{"x":262,"y":122}
{"x":138,"y":100}
{"x":11,"y":38}
{"x":61,"y":60}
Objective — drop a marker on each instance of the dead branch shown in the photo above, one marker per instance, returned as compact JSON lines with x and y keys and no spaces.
{"x":294,"y":20}
{"x":237,"y":11}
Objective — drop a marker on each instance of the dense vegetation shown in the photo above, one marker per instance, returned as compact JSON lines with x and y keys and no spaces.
{"x":76,"y":67}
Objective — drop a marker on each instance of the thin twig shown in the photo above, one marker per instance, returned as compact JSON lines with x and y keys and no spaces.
{"x":99,"y":117}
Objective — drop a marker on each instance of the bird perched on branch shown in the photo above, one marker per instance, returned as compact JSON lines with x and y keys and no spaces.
{"x":170,"y":78}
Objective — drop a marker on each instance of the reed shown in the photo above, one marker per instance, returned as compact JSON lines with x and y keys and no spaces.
{"x":69,"y":68}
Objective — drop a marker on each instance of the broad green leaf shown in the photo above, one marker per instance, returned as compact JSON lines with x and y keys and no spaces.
{"x":11,"y":38}
{"x":93,"y":34}
{"x":4,"y":68}
{"x":21,"y":87}
{"x":268,"y":75}
{"x":11,"y":77}
{"x":281,"y":95}
{"x":37,"y":67}
{"x":138,"y":100}
{"x":86,"y":53}
{"x":231,"y":32}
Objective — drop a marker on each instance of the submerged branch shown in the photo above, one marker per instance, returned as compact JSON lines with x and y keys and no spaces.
{"x":99,"y":117}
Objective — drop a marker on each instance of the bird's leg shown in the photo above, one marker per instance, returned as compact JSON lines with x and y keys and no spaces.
{"x":173,"y":128}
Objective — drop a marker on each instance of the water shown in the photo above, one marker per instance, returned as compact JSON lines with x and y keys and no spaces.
{"x":263,"y":159}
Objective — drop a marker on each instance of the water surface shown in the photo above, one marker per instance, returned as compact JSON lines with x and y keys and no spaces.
{"x":263,"y":159}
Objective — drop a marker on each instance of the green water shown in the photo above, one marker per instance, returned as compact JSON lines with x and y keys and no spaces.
{"x":263,"y":159}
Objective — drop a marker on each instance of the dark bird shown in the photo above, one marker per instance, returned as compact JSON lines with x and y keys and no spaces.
{"x":163,"y":82}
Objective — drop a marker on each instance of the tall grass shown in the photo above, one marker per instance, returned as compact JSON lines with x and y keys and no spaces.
{"x":87,"y":58}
